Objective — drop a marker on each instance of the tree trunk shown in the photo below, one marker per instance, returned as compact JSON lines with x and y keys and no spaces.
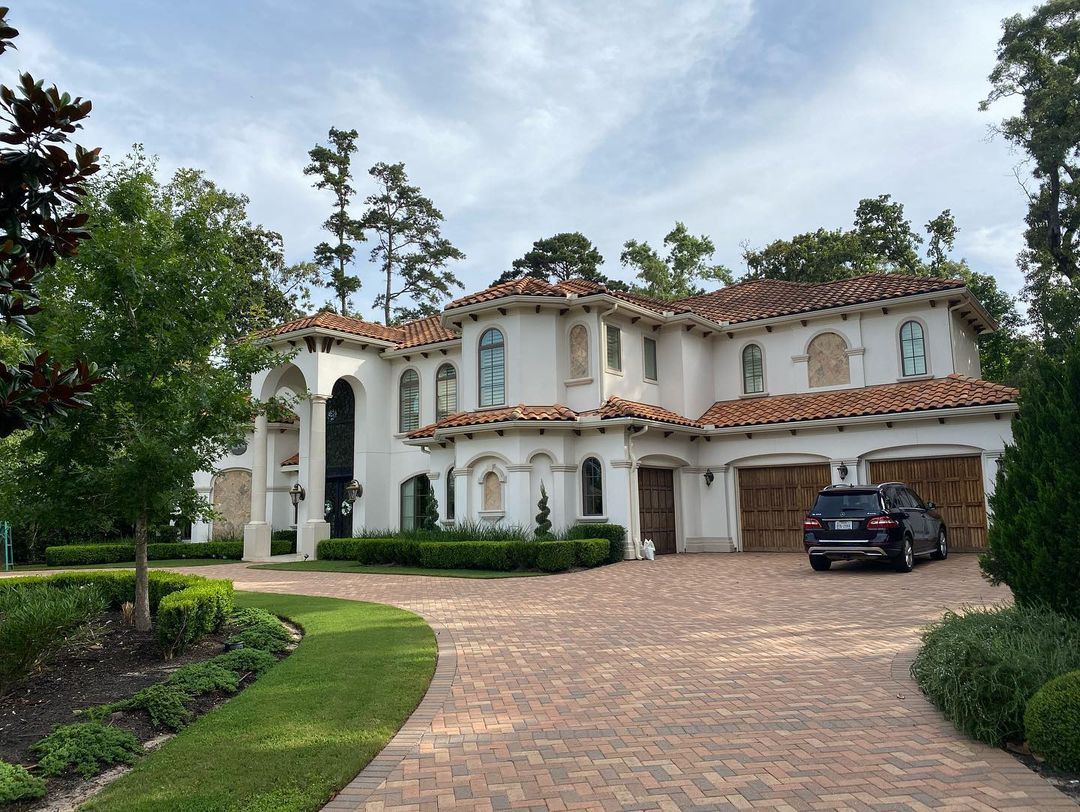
{"x":142,"y":576}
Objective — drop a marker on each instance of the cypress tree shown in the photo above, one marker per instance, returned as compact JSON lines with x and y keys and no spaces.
{"x":543,"y":518}
{"x":1034,"y":541}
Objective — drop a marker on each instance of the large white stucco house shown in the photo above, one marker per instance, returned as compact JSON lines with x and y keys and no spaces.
{"x":705,"y":424}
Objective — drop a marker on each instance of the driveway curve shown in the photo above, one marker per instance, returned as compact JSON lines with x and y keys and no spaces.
{"x":692,"y":682}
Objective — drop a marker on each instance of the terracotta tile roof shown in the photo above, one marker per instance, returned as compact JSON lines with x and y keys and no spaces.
{"x":343,"y":324}
{"x":618,"y":407}
{"x":523,"y":286}
{"x":766,"y":298}
{"x":896,"y":398}
{"x":293,"y":460}
{"x":554,"y":413}
{"x":425,"y":331}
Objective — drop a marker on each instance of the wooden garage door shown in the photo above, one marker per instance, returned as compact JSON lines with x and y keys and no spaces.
{"x":955,"y":483}
{"x":656,"y":505}
{"x":773,"y":503}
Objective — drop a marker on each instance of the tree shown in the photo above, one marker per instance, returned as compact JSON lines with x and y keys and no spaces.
{"x":151,"y":297}
{"x":39,"y":182}
{"x":410,"y":249}
{"x":1033,"y":542}
{"x":561,"y":257}
{"x":431,"y":511}
{"x":543,"y":517}
{"x":677,"y":275}
{"x":333,"y":167}
{"x":276,"y":292}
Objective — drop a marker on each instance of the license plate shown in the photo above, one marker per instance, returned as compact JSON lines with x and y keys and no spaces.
{"x":845,"y":525}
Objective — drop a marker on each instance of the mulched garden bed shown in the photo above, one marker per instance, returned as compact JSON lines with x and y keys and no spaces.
{"x":112,"y":664}
{"x":1069,"y":783}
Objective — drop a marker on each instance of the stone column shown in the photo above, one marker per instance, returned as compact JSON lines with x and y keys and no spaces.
{"x":461,"y":496}
{"x":516,"y":497}
{"x":257,"y":530}
{"x":564,"y":495}
{"x":316,"y":528}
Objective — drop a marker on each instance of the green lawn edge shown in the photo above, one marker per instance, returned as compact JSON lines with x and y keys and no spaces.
{"x":388,"y":569}
{"x":305,"y":728}
{"x":167,"y":562}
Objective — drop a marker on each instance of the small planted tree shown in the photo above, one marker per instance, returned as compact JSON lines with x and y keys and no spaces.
{"x":431,"y":511}
{"x":1034,"y":545}
{"x":543,"y":518}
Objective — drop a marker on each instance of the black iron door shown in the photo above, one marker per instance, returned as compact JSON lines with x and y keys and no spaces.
{"x":337,"y":509}
{"x":340,"y":431}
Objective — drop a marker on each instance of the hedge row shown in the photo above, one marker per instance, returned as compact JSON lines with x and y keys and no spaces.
{"x":547,"y":556}
{"x":69,"y":555}
{"x":614,"y":533}
{"x":187,"y":607}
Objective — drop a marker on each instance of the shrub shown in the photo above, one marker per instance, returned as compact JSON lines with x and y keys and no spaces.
{"x":1032,"y":545}
{"x":119,"y":553}
{"x":190,"y":614}
{"x":37,"y":620}
{"x":466,"y":531}
{"x":591,"y":552}
{"x":554,"y":556}
{"x":283,"y":535}
{"x":165,"y":703}
{"x":1052,"y":722}
{"x":243,"y":661}
{"x":86,"y":747}
{"x":260,"y":630}
{"x":204,"y":678}
{"x":614,"y":533}
{"x":16,"y":784}
{"x":982,"y":666}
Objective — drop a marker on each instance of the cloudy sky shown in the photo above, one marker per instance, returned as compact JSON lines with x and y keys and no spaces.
{"x":747,"y":119}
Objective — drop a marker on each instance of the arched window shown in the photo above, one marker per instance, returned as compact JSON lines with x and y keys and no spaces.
{"x":579,"y":351}
{"x":492,"y":368}
{"x":753,"y":371}
{"x":592,"y":488}
{"x":913,"y":348}
{"x":450,"y":483}
{"x":827,"y":360}
{"x":492,"y":496}
{"x":409,"y":401}
{"x":414,"y":494}
{"x":445,"y":391}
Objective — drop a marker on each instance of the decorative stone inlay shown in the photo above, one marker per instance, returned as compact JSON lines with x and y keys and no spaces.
{"x":828,"y":361}
{"x":492,"y":492}
{"x":579,"y":351}
{"x":232,"y":502}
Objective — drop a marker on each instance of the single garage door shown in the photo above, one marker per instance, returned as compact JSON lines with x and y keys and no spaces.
{"x":773,"y":503}
{"x":954,"y":483}
{"x":656,"y":501}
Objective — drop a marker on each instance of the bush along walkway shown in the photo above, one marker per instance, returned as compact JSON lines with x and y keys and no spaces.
{"x":305,"y":728}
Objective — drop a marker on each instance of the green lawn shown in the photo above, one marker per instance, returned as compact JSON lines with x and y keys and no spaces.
{"x":305,"y":728}
{"x":167,"y":562}
{"x":388,"y":569}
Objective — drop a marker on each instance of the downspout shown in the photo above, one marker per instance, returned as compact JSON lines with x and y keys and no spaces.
{"x":601,"y":356}
{"x":635,"y":518}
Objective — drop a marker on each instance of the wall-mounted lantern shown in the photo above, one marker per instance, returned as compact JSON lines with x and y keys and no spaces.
{"x":353,"y":491}
{"x":296,"y":494}
{"x":842,"y":470}
{"x":709,"y":477}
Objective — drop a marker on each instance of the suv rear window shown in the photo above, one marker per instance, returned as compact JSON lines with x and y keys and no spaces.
{"x":837,"y":504}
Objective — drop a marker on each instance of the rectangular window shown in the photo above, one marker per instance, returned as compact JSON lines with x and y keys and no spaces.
{"x":649,"y":355}
{"x":614,"y":348}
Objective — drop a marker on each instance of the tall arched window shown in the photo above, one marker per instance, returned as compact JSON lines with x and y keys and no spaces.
{"x":579,"y":351}
{"x":414,"y":494}
{"x":753,"y":371}
{"x":445,"y":391}
{"x":592,"y":488}
{"x":827,"y":360}
{"x":409,"y":401}
{"x":913,"y":348}
{"x":492,"y":368}
{"x":450,"y":486}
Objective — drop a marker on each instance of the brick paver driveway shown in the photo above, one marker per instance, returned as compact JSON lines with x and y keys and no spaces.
{"x":696,"y":681}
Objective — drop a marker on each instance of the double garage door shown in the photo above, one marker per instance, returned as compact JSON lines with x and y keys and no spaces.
{"x":773,"y":501}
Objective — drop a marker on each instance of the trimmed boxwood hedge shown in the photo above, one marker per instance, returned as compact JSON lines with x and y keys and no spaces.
{"x":71,"y":554}
{"x":614,"y":533}
{"x":1052,"y":722}
{"x":186,"y":607}
{"x":504,"y":556}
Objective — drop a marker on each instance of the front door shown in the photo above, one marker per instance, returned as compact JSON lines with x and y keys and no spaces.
{"x":656,"y":505}
{"x":337,"y":510}
{"x":340,"y":431}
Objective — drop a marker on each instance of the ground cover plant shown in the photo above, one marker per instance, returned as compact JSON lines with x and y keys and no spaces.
{"x":17,"y":784}
{"x":86,"y":748}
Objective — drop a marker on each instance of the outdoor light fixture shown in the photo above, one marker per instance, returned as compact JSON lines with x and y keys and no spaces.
{"x":296,"y":494}
{"x":842,"y":470}
{"x":709,"y":477}
{"x":353,"y":491}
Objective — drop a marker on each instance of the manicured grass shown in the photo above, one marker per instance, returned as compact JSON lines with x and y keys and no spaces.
{"x":305,"y":728}
{"x":390,"y":569}
{"x":169,"y":562}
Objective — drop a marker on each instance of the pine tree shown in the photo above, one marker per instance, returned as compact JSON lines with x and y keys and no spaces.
{"x":543,"y":518}
{"x":1034,"y":543}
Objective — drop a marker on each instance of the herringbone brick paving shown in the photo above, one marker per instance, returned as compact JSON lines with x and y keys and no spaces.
{"x":692,"y":682}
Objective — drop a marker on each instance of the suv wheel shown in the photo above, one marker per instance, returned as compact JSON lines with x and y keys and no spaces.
{"x":820,"y":563}
{"x":941,"y":552}
{"x":905,"y":562}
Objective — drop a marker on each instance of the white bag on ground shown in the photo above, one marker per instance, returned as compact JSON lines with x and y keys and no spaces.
{"x":649,"y":550}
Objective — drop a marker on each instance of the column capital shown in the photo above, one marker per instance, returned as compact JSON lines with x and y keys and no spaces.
{"x":318,"y":398}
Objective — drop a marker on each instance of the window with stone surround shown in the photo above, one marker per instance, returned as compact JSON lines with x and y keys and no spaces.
{"x":913,"y":348}
{"x":445,"y":391}
{"x":579,"y":351}
{"x":409,"y":401}
{"x":492,"y":358}
{"x":753,"y":370}
{"x":827,"y":361}
{"x":592,"y":487}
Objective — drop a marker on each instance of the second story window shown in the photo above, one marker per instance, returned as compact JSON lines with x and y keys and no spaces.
{"x":753,"y":370}
{"x":409,"y":401}
{"x":912,"y":348}
{"x":492,"y":368}
{"x":648,"y":358}
{"x":614,"y":348}
{"x":445,"y":391}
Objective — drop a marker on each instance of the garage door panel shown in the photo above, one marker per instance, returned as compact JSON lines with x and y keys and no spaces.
{"x":773,"y":502}
{"x":954,"y":483}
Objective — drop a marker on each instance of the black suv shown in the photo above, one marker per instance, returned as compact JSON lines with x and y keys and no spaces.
{"x":889,"y":521}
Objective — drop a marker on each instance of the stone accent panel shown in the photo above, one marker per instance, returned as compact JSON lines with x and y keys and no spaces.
{"x":579,"y":351}
{"x":232,"y":501}
{"x":828,"y":361}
